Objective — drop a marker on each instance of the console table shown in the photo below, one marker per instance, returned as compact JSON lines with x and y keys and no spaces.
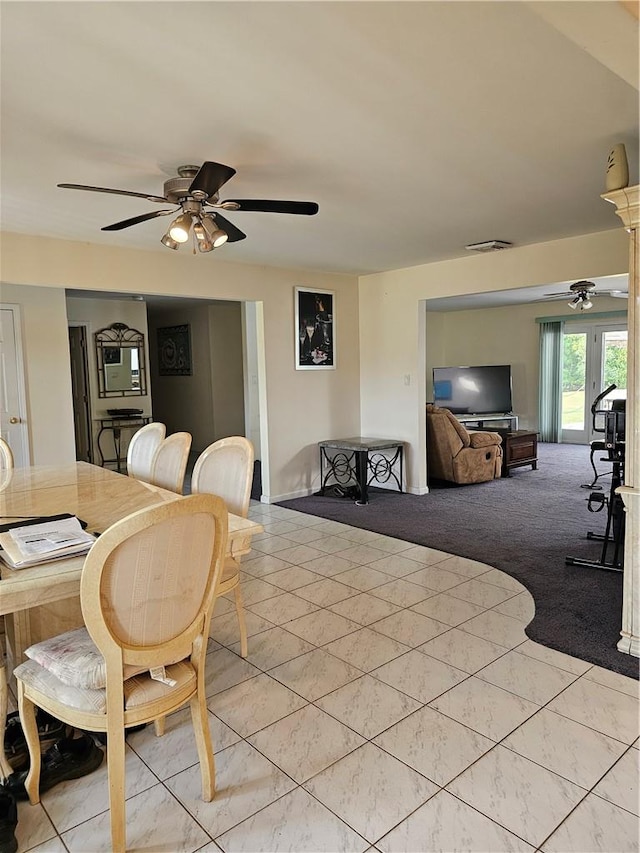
{"x":115,"y":427}
{"x":367,"y":460}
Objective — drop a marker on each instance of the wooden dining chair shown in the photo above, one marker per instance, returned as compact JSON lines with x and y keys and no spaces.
{"x":142,"y":447}
{"x":141,"y":655}
{"x":225,"y":468}
{"x":6,"y":457}
{"x":6,"y":469}
{"x":170,"y":462}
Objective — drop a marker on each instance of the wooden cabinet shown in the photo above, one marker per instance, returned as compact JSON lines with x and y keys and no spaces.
{"x":519,"y":447}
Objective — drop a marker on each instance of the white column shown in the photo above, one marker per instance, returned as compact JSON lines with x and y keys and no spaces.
{"x":627,"y":202}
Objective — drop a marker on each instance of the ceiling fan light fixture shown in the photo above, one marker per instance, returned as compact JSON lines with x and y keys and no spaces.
{"x":201,"y":237}
{"x":180,"y":227}
{"x":216,"y":235}
{"x":581,"y":300}
{"x":169,"y":242}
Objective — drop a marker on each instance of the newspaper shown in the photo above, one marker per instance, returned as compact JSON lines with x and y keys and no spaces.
{"x":39,"y":543}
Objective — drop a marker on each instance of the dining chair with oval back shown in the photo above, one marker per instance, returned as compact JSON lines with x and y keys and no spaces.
{"x":225,"y":468}
{"x":142,"y":447}
{"x":170,"y":462}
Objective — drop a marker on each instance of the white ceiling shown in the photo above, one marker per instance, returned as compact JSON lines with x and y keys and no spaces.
{"x":418,"y":127}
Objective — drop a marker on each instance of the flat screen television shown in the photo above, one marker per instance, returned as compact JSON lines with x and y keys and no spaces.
{"x":473,"y":390}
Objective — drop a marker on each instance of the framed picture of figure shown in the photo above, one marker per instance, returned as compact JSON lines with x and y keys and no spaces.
{"x":315,"y":329}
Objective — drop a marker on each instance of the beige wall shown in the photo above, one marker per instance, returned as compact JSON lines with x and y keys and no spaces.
{"x":302,"y":407}
{"x":210,"y":402}
{"x":227,"y":380}
{"x":392,"y":318}
{"x":184,"y":403}
{"x":379,"y":387}
{"x":508,"y":335}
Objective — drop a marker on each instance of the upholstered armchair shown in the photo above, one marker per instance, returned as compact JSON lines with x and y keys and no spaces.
{"x":457,"y":454}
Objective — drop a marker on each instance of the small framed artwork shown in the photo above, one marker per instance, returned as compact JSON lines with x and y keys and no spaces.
{"x":315,"y":328}
{"x":174,"y":350}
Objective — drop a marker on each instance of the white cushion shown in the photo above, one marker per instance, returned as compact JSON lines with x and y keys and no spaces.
{"x":137,"y":690}
{"x":74,"y":659}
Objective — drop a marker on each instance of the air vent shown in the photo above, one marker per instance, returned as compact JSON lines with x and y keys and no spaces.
{"x":488,"y":246}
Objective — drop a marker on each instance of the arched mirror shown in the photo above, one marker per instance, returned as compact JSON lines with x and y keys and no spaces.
{"x":121,"y":362}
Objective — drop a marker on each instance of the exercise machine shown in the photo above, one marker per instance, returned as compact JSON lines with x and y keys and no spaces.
{"x":613,"y":444}
{"x":597,"y":445}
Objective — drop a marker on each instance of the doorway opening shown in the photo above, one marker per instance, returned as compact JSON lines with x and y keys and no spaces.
{"x":594,"y":356}
{"x":80,"y":393}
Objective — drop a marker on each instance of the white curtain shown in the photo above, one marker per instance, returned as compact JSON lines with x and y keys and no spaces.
{"x":550,"y":388}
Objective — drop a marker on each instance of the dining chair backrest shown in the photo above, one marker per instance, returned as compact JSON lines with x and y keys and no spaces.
{"x":142,"y":448}
{"x":170,"y":462}
{"x":6,"y":456}
{"x":225,"y":468}
{"x":176,"y":549}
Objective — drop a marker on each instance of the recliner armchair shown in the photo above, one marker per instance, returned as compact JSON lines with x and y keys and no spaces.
{"x":458,"y":455}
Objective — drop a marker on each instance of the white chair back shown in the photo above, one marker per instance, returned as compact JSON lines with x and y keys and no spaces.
{"x":142,"y":449}
{"x":170,"y":462}
{"x":225,"y":468}
{"x":6,"y":456}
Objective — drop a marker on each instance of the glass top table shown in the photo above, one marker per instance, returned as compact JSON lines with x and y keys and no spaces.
{"x":365,"y":460}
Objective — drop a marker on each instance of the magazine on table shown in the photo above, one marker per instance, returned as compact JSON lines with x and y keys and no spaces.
{"x":31,"y":544}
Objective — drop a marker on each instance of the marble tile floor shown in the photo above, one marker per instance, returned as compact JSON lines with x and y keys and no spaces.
{"x":390,"y":702}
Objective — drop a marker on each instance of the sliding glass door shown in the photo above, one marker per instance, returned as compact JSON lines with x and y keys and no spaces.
{"x":594,"y":357}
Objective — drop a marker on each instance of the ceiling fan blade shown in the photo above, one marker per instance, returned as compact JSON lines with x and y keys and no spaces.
{"x":118,"y":226}
{"x":305,"y":208}
{"x":234,"y":233}
{"x":114,"y":192}
{"x":211,"y":176}
{"x":617,"y":294}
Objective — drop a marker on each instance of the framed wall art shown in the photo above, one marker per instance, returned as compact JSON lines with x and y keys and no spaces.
{"x":174,"y":350}
{"x":315,"y":328}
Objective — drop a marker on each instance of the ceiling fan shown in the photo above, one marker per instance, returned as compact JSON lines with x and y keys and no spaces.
{"x":195,"y":190}
{"x":582,"y":292}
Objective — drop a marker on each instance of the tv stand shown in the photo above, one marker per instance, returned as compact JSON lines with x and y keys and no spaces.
{"x":510,"y":421}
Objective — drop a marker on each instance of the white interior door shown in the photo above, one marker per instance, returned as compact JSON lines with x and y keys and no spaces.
{"x":13,"y":415}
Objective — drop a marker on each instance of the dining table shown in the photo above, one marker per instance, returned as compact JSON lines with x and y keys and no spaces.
{"x":43,"y":600}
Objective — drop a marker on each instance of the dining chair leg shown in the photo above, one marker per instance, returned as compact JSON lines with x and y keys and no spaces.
{"x":244,"y":650}
{"x":30,"y":728}
{"x":5,"y":767}
{"x":159,"y":726}
{"x":200,"y":719}
{"x":115,"y":767}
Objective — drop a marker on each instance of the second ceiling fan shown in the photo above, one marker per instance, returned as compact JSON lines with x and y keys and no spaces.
{"x":582,"y":292}
{"x":195,"y":191}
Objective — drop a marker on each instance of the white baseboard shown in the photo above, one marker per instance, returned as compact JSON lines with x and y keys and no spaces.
{"x":289,"y":496}
{"x":304,"y":493}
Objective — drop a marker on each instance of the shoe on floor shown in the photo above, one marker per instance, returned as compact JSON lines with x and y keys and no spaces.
{"x":69,"y":758}
{"x":50,"y":730}
{"x":8,"y":822}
